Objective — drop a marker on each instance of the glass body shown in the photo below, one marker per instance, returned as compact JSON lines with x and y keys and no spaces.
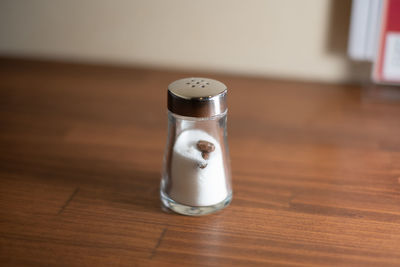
{"x":196,"y":178}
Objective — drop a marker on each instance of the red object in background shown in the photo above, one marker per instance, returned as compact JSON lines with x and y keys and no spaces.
{"x":387,"y":63}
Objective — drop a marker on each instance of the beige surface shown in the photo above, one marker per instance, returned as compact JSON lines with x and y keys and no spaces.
{"x":286,"y":38}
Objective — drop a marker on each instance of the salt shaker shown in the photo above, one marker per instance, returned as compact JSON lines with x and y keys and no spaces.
{"x":196,"y":177}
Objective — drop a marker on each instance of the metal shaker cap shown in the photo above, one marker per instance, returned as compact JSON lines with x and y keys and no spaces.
{"x":197,"y":97}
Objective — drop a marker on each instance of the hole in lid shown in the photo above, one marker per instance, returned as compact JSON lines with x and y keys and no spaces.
{"x":193,"y":85}
{"x":187,"y":83}
{"x":198,"y":82}
{"x":203,"y":86}
{"x":207,"y":83}
{"x":192,"y":80}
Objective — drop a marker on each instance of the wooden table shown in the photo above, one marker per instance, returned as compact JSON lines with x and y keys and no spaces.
{"x":316,"y":171}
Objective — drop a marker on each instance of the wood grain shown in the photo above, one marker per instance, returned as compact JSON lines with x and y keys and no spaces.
{"x":316,"y":172}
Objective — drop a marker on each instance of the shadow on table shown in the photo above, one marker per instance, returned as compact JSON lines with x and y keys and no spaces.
{"x":136,"y":191}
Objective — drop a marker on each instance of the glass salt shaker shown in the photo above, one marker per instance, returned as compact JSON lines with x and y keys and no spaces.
{"x":196,"y":178}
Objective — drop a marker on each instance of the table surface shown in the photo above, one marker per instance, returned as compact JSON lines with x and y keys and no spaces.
{"x":316,"y":172}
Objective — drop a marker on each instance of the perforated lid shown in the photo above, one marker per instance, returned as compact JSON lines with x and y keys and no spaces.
{"x":197,"y":97}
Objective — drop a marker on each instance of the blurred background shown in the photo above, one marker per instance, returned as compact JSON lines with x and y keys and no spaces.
{"x":305,"y":40}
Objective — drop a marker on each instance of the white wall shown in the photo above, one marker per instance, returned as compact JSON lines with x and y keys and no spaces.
{"x":280,"y":38}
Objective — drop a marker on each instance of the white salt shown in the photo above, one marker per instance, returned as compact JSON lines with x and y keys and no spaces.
{"x":190,"y":184}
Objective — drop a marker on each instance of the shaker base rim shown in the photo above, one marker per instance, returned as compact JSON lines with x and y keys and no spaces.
{"x":193,"y":210}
